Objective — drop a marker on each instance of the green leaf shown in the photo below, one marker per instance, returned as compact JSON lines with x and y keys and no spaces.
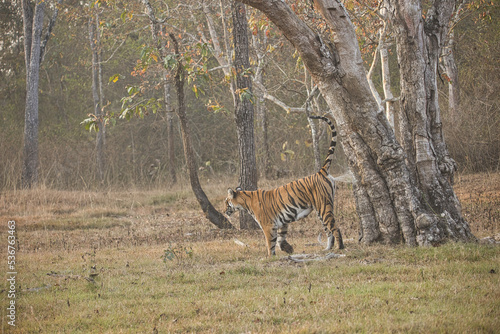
{"x":131,"y":90}
{"x":90,"y":124}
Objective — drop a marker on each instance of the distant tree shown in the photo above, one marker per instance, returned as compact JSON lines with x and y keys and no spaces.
{"x":97,"y":89}
{"x":34,"y":50}
{"x":159,"y":45}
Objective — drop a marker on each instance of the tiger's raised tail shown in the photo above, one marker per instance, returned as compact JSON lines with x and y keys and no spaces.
{"x":333,"y":143}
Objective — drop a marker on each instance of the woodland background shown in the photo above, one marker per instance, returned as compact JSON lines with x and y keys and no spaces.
{"x":132,"y":251}
{"x":135,"y":149}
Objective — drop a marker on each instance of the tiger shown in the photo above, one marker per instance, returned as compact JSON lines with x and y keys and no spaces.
{"x":274,"y":209}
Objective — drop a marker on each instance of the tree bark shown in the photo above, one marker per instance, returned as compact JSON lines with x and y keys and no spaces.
{"x":244,"y":113}
{"x":214,"y":216}
{"x":390,"y":204}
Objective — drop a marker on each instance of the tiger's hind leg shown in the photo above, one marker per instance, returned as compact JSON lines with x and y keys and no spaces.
{"x":282,"y":243}
{"x":332,"y":231}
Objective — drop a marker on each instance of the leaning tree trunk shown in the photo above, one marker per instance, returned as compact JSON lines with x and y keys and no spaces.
{"x":244,"y":109}
{"x":215,"y":217}
{"x":389,"y":202}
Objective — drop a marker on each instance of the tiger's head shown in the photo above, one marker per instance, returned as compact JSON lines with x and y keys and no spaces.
{"x":231,"y":202}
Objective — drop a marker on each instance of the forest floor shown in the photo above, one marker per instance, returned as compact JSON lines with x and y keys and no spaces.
{"x":148,"y":261}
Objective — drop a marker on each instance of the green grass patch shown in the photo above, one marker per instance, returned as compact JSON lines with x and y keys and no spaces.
{"x":168,"y":198}
{"x":454,"y":288}
{"x":77,"y":223}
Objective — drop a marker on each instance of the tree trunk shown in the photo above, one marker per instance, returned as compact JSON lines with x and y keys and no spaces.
{"x":390,"y":204}
{"x":259,"y":47}
{"x":211,"y":213}
{"x":244,"y":109}
{"x":97,"y":92}
{"x":263,"y":143}
{"x":34,"y":50}
{"x":156,"y":33}
{"x":33,"y":24}
{"x":170,"y":134}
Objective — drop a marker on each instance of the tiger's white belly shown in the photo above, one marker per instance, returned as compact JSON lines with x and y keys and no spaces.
{"x":287,"y":216}
{"x":301,"y":213}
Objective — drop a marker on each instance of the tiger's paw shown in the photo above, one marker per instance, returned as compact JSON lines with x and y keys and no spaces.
{"x":286,"y":247}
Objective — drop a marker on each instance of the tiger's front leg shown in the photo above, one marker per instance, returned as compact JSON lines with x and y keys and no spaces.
{"x":271,"y":236}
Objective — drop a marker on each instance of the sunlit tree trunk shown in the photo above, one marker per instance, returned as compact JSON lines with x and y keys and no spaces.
{"x":392,"y":204}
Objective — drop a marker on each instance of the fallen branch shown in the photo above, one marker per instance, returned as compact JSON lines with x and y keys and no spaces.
{"x":301,"y":258}
{"x":236,"y":241}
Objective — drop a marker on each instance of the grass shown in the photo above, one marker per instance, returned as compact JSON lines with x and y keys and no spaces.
{"x":99,"y":266}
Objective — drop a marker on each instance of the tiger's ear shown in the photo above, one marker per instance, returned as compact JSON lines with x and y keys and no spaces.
{"x":230,"y":193}
{"x":238,"y":189}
